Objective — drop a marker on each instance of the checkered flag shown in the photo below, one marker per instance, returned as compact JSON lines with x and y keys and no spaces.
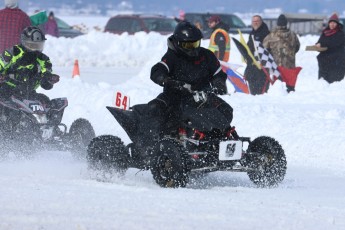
{"x":266,"y":59}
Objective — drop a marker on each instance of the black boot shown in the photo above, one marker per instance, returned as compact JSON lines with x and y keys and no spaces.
{"x":290,"y":88}
{"x":232,"y":133}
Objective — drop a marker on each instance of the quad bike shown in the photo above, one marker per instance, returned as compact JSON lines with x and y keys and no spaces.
{"x":195,"y":140}
{"x":28,"y":125}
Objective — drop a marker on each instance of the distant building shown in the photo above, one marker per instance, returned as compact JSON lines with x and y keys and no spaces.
{"x":301,"y":24}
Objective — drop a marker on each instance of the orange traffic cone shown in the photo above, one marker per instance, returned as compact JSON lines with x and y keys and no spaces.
{"x":76,"y":69}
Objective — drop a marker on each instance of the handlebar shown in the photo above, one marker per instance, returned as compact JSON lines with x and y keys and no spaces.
{"x":198,"y":95}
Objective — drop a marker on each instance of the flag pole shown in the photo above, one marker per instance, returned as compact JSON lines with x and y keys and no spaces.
{"x":249,"y":52}
{"x":256,"y":49}
{"x":262,"y":67}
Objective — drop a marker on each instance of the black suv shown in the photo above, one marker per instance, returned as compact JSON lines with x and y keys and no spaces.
{"x":232,"y":20}
{"x":132,"y":23}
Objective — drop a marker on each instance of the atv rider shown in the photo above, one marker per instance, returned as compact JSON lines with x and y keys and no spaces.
{"x":24,"y":67}
{"x":185,"y":62}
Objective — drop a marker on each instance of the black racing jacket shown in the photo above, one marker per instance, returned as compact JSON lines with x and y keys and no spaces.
{"x":201,"y":72}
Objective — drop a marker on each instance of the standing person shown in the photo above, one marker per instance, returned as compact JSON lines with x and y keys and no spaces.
{"x":283,"y":44}
{"x":220,"y":39}
{"x":332,"y":61}
{"x":12,"y":22}
{"x":51,"y":27}
{"x":257,"y":79}
{"x":185,"y":62}
{"x":182,"y":16}
{"x":198,"y":24}
{"x":24,"y":67}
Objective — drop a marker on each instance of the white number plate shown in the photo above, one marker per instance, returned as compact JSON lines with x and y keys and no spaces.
{"x":121,"y":101}
{"x":230,"y":150}
{"x":47,"y":133}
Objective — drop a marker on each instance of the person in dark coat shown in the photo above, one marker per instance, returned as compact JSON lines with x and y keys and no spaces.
{"x":12,"y":22}
{"x":332,"y":61}
{"x":258,"y":82}
{"x":185,"y":62}
{"x":181,"y":17}
{"x":51,"y":27}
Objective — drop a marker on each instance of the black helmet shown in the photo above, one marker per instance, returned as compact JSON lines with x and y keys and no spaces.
{"x":187,"y":38}
{"x":32,"y":38}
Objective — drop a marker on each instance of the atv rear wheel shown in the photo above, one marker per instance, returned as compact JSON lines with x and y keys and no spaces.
{"x":170,"y":166}
{"x":108,"y":154}
{"x":267,"y":159}
{"x":81,"y":133}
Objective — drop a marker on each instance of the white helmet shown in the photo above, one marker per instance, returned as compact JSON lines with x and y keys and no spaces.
{"x":32,"y":39}
{"x":11,"y":4}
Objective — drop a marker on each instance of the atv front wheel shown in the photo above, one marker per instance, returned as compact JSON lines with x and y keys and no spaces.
{"x":170,"y":164}
{"x":81,"y":133}
{"x":267,"y":160}
{"x":108,"y":154}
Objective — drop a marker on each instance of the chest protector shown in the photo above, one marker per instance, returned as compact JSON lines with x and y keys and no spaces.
{"x":25,"y":69}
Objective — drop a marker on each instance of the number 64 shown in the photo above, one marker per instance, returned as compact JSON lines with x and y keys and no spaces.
{"x":121,"y":101}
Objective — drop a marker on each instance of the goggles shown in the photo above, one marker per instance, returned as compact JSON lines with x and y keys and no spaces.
{"x":190,"y":45}
{"x":34,"y":46}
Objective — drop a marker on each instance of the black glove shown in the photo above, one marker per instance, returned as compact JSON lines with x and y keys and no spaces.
{"x":219,"y":87}
{"x":48,"y":81}
{"x":53,"y":78}
{"x":179,"y":85}
{"x":219,"y":90}
{"x":173,"y":84}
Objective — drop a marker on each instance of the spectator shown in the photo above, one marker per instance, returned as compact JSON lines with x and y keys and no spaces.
{"x":51,"y":27}
{"x":283,"y":44}
{"x":198,"y":24}
{"x":257,"y":79}
{"x":220,"y":39}
{"x":332,"y":61}
{"x":182,"y":16}
{"x":12,"y":22}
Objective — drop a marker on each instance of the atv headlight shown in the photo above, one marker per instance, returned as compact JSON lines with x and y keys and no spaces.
{"x":41,"y":118}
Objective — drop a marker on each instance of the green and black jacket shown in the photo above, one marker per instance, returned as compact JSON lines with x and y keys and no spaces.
{"x":23,"y":69}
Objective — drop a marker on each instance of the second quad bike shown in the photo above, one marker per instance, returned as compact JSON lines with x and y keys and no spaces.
{"x":28,"y":125}
{"x":194,"y":141}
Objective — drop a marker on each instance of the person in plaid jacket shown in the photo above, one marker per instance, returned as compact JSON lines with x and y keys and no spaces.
{"x":12,"y":22}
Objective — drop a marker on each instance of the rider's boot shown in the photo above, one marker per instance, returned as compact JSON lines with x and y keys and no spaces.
{"x":232,"y":133}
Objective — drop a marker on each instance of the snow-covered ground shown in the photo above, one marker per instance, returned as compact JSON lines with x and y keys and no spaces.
{"x":55,"y":191}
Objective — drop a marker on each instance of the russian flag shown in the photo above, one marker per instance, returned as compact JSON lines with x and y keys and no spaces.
{"x":236,"y":80}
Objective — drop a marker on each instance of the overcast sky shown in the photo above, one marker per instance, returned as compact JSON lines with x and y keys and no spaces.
{"x":172,"y":7}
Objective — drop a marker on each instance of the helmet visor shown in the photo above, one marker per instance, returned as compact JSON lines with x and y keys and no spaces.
{"x":190,"y":45}
{"x":34,"y":46}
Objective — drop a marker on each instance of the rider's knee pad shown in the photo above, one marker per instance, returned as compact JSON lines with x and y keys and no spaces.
{"x":226,"y":110}
{"x":157,"y":107}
